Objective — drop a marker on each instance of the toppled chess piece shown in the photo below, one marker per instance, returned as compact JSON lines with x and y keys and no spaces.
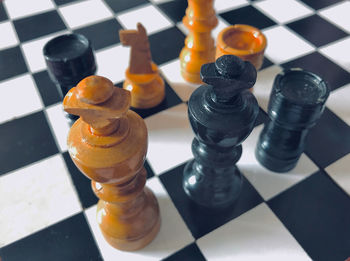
{"x":108,"y":143}
{"x":142,"y":78}
{"x":199,"y":47}
{"x":222,"y":114}
{"x":297,"y":101}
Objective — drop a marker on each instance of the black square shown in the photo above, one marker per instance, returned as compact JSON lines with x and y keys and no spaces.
{"x":3,"y":15}
{"x":317,"y":30}
{"x":171,"y":99}
{"x":166,"y":45}
{"x":10,"y":66}
{"x":318,"y":4}
{"x":32,"y":27}
{"x":266,"y":63}
{"x":121,"y":5}
{"x":48,"y":90}
{"x":62,"y":2}
{"x":102,"y":34}
{"x":248,"y":15}
{"x":190,"y":252}
{"x":262,"y":117}
{"x":317,"y":63}
{"x":24,"y":141}
{"x":69,"y":239}
{"x":149,"y":170}
{"x":174,"y":9}
{"x":201,"y":220}
{"x":317,"y":213}
{"x":328,"y":140}
{"x":81,"y":183}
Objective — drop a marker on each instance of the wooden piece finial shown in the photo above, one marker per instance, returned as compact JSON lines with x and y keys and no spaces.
{"x":108,"y":143}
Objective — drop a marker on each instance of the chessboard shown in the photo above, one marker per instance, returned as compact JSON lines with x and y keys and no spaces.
{"x":47,"y":207}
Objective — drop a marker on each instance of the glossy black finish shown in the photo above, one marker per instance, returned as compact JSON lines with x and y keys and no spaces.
{"x":222,"y":115}
{"x":69,"y":59}
{"x":296,"y":102}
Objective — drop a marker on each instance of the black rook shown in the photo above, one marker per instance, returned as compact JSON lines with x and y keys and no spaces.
{"x":222,"y":114}
{"x":296,"y":102}
{"x":69,"y":59}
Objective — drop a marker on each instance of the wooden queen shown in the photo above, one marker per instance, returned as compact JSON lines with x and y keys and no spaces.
{"x":108,"y":143}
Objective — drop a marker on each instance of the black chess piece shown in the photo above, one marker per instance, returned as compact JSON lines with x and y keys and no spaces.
{"x":222,"y":114}
{"x":69,"y":59}
{"x":296,"y":102}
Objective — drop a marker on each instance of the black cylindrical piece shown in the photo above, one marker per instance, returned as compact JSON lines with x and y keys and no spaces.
{"x":69,"y":59}
{"x":297,"y":101}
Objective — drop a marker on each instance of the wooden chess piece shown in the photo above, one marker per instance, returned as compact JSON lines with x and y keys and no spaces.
{"x":244,"y":41}
{"x":142,"y":78}
{"x":108,"y":143}
{"x":222,"y":114}
{"x":199,"y":47}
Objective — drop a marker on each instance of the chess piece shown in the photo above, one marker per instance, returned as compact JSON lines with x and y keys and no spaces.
{"x":297,"y":101}
{"x":108,"y":143}
{"x":222,"y":114}
{"x":69,"y":59}
{"x":199,"y":47}
{"x":244,"y":41}
{"x":142,"y":77}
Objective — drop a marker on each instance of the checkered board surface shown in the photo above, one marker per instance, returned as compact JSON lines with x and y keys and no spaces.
{"x":47,"y":208}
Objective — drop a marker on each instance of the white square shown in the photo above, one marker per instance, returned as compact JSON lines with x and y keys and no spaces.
{"x":263,"y":85}
{"x":170,"y":138}
{"x":256,"y":235}
{"x":338,"y":14}
{"x":20,"y":8}
{"x":266,"y":182}
{"x":59,"y":125}
{"x":173,"y":234}
{"x":113,"y":62}
{"x":22,"y":98}
{"x":150,"y":17}
{"x":39,"y":195}
{"x":283,"y":45}
{"x":339,"y":172}
{"x":172,"y":73}
{"x":284,"y":11}
{"x":339,"y":52}
{"x":338,"y":102}
{"x":8,"y":35}
{"x":224,"y":5}
{"x":33,"y":52}
{"x":85,"y":12}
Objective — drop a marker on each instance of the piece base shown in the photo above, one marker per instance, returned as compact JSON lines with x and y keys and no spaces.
{"x":133,"y":245}
{"x":274,"y":164}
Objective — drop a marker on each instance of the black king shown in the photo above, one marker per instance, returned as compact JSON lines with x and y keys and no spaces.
{"x":222,"y":115}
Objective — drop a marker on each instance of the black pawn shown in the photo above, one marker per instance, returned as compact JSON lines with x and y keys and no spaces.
{"x":222,"y":114}
{"x":69,"y":59}
{"x":296,"y":102}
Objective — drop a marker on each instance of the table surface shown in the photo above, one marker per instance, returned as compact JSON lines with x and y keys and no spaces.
{"x":47,"y":207}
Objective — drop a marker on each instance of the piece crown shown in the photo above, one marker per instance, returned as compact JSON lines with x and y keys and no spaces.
{"x":97,"y":102}
{"x":229,"y":75}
